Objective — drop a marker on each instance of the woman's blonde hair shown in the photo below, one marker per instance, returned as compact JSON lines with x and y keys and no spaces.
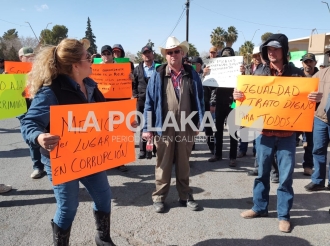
{"x":51,"y":61}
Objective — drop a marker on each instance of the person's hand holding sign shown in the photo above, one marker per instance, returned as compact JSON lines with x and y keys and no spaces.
{"x":206,"y":71}
{"x":48,"y":141}
{"x":315,"y":96}
{"x":147,"y":135}
{"x":238,"y":95}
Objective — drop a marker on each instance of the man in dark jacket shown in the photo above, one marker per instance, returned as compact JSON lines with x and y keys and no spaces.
{"x":274,"y":53}
{"x":309,"y":66}
{"x":142,"y":74}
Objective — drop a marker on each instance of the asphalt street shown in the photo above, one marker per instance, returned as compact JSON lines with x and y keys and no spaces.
{"x":223,"y":193}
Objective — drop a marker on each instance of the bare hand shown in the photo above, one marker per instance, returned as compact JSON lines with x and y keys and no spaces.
{"x":147,"y":135}
{"x":48,"y":141}
{"x":238,"y":95}
{"x":315,"y":96}
{"x":206,"y":71}
{"x":212,"y":109}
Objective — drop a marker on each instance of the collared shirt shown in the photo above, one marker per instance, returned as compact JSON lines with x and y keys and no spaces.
{"x":148,"y":71}
{"x":89,"y":88}
{"x":176,"y":80}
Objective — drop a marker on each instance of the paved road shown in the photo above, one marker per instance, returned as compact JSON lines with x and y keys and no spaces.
{"x":26,"y":211}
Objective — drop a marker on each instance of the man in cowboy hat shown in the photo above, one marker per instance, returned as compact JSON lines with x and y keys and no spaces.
{"x":175,"y":90}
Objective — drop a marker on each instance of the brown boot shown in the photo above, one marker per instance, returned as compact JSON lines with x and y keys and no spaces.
{"x":250,"y":214}
{"x":284,"y":226}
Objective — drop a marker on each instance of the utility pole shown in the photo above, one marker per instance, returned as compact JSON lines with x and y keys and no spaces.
{"x":32,"y":30}
{"x":187,"y":20}
{"x":326,"y":4}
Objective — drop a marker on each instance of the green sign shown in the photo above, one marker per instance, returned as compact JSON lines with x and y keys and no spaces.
{"x":12,"y":102}
{"x":97,"y":60}
{"x":121,"y":60}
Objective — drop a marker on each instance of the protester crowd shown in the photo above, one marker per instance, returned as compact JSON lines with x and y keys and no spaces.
{"x":60,"y":76}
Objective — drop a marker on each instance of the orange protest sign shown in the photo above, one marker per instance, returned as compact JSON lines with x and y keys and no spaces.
{"x":94,"y":137}
{"x":19,"y":68}
{"x":281,"y":102}
{"x":113,"y":79}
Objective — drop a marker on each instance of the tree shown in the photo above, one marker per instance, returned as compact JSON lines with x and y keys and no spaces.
{"x":265,"y":36}
{"x":192,"y":50}
{"x":217,"y":38}
{"x":10,"y":34}
{"x":246,"y":51}
{"x":231,"y":36}
{"x":9,"y":45}
{"x":28,"y":42}
{"x":91,"y":37}
{"x":158,"y":57}
{"x":54,"y":36}
{"x":130,"y":55}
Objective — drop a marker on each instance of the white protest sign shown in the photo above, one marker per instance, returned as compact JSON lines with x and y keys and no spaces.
{"x":224,"y":71}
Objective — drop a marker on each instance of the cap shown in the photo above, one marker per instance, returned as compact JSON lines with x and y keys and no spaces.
{"x":322,"y":65}
{"x":146,"y":48}
{"x":196,"y":59}
{"x":106,"y":48}
{"x":25,"y":51}
{"x":308,"y":56}
{"x":226,"y":53}
{"x":213,"y":49}
{"x":274,"y":44}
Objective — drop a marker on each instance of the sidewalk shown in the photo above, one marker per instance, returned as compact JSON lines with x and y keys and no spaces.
{"x":223,"y":192}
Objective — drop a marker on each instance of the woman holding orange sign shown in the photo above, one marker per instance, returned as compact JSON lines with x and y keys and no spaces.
{"x":59,"y":76}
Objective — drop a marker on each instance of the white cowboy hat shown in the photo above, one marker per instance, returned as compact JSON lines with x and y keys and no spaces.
{"x":256,"y":50}
{"x":173,"y":42}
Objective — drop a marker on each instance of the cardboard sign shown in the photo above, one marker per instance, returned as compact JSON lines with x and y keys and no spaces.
{"x":113,"y":79}
{"x":281,"y":102}
{"x":19,"y":68}
{"x":224,"y":71}
{"x":12,"y":103}
{"x":92,"y":138}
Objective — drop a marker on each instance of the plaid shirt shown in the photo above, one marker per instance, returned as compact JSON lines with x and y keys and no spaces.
{"x":176,"y":80}
{"x":276,"y":133}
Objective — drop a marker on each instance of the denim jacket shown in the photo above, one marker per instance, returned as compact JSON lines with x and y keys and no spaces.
{"x":154,"y":98}
{"x":36,"y":121}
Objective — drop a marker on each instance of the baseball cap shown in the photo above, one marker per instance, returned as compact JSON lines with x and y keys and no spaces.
{"x":146,"y":48}
{"x":256,"y":50}
{"x":196,"y":59}
{"x":25,"y":51}
{"x":213,"y":49}
{"x":308,"y":56}
{"x":106,"y":48}
{"x":322,"y":65}
{"x":274,"y":44}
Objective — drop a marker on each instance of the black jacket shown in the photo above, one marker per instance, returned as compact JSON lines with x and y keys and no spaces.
{"x":140,"y":85}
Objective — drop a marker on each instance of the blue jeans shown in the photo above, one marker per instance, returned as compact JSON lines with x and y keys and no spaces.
{"x":286,"y":151}
{"x":243,"y":146}
{"x":67,"y":196}
{"x":36,"y":157}
{"x":321,"y":137}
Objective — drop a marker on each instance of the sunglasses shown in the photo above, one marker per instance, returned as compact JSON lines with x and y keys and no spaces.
{"x":106,"y":54}
{"x":175,"y":52}
{"x":88,"y":58}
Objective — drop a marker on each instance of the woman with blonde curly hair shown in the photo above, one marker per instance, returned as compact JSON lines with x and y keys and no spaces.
{"x":59,"y":76}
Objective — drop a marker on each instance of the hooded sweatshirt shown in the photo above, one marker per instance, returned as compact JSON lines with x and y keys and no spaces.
{"x":122,"y":55}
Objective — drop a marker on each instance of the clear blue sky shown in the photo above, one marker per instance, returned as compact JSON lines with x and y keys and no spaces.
{"x":132,"y":22}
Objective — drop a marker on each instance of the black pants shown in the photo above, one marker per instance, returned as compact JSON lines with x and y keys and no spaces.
{"x":222,"y":111}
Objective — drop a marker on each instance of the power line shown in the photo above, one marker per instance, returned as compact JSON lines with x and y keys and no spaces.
{"x":13,"y":23}
{"x":255,"y":22}
{"x":177,"y":23}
